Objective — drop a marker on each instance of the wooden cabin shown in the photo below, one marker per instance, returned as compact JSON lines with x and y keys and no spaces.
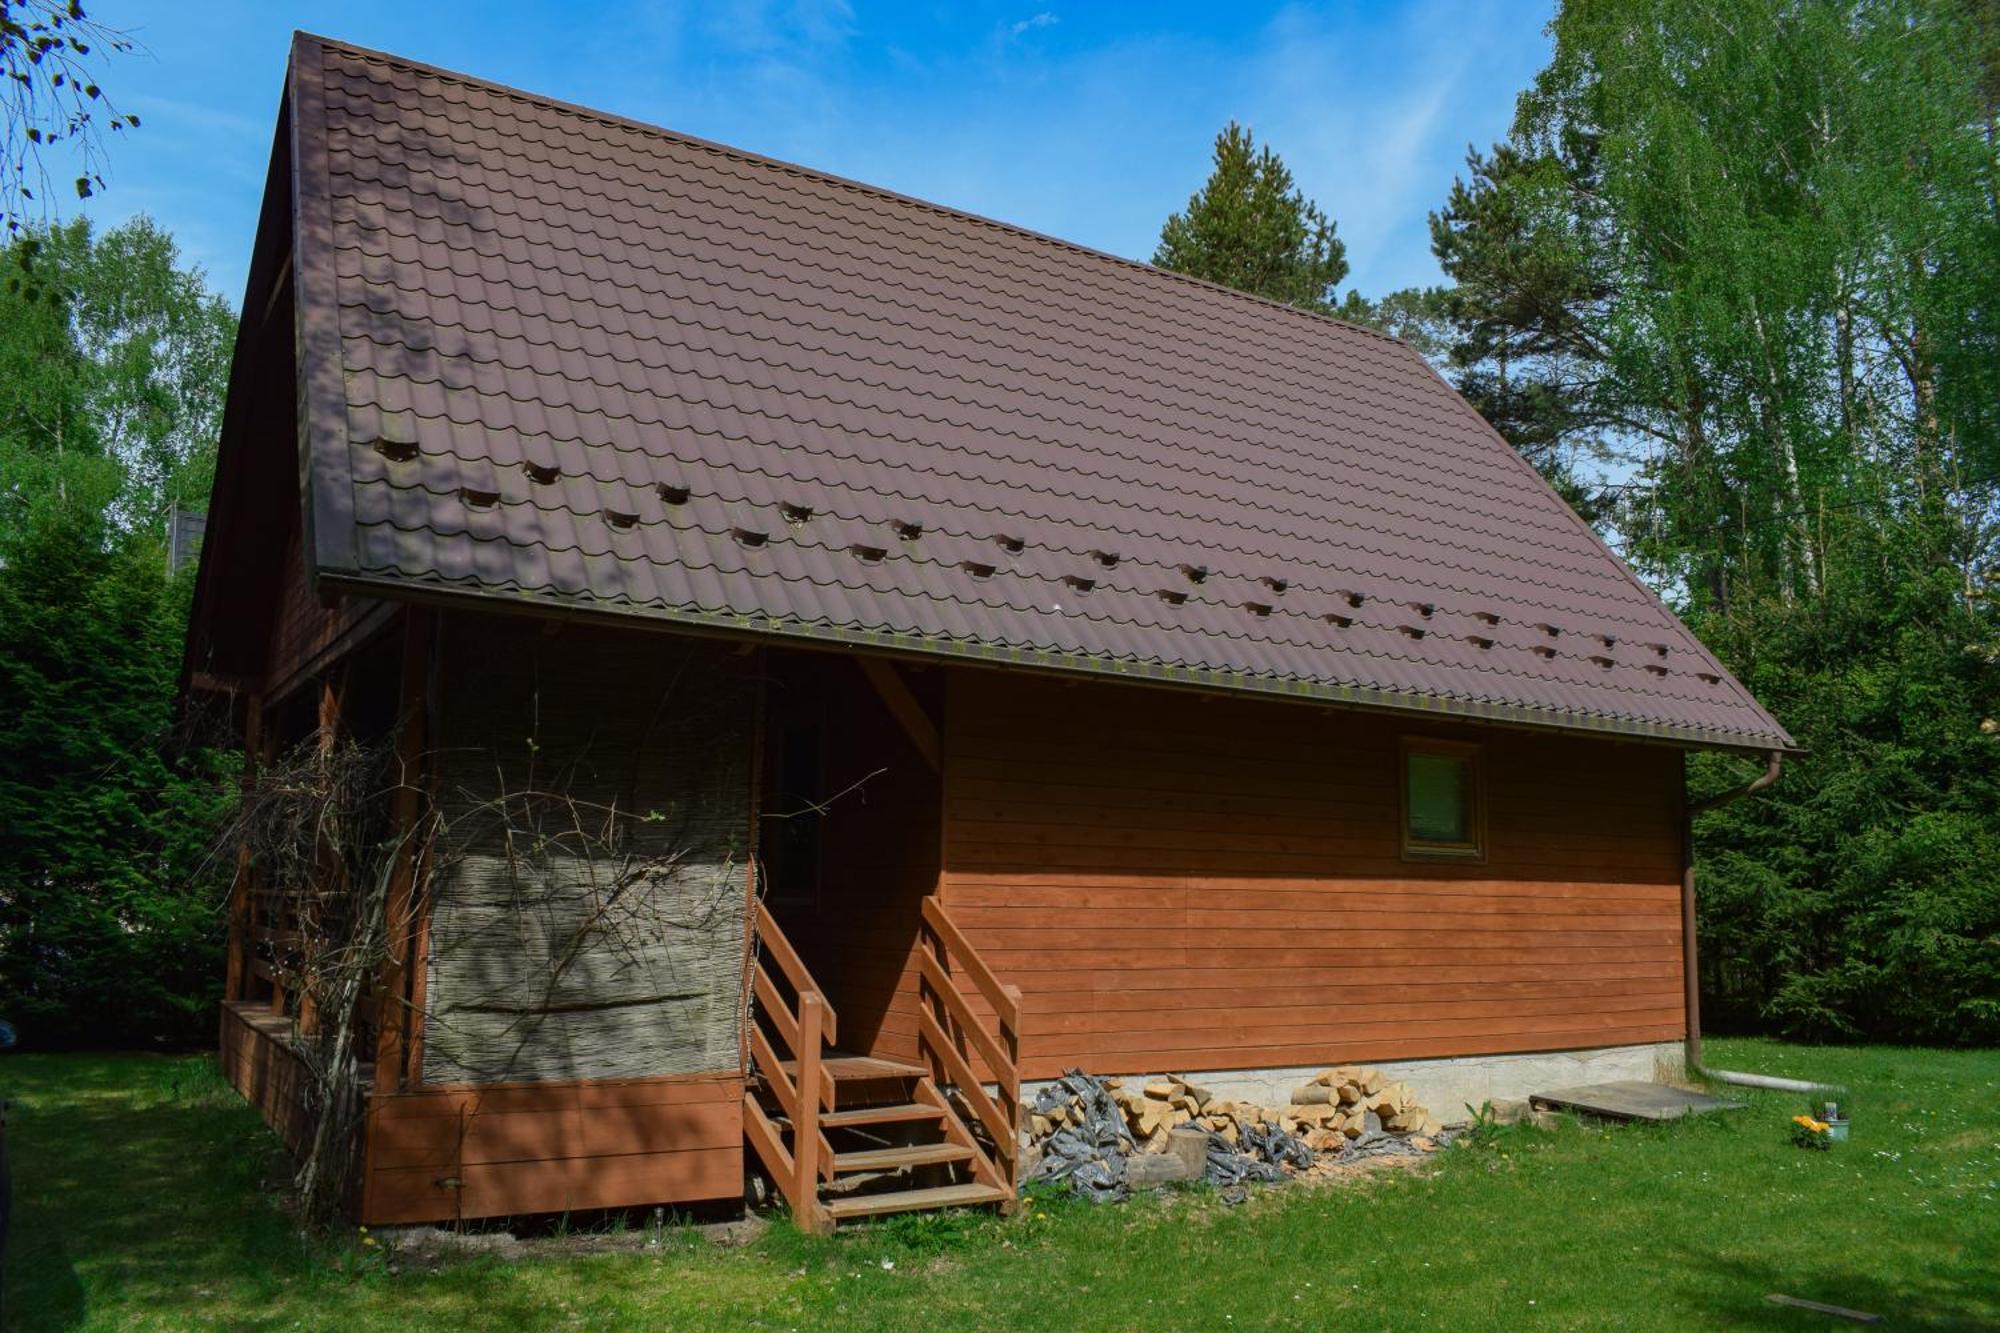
{"x":998,"y":656}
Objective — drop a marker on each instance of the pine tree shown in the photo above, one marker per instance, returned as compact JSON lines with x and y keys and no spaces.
{"x":1250,"y":228}
{"x":112,"y":369}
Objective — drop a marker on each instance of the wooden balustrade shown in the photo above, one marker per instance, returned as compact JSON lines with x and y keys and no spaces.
{"x":807,"y":1028}
{"x":952,"y":1035}
{"x":791,"y":1043}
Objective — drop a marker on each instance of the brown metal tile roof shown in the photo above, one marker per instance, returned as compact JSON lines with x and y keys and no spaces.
{"x":557,"y":356}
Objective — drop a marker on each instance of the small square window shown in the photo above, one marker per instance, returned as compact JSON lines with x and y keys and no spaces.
{"x":1443,"y":813}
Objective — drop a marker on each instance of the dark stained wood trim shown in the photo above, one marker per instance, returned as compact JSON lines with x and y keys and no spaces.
{"x":236,"y":980}
{"x":753,"y":869}
{"x":280,"y":286}
{"x":903,"y":706}
{"x":1187,"y":684}
{"x":210,"y":682}
{"x":366,"y":625}
{"x":393,"y":1016}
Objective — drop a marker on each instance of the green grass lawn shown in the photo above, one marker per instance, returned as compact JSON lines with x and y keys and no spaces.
{"x":139,"y":1204}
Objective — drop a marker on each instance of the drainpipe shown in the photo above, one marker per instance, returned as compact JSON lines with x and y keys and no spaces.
{"x":1691,"y":977}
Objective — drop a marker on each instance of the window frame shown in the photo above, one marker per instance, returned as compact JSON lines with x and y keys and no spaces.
{"x":1472,"y":754}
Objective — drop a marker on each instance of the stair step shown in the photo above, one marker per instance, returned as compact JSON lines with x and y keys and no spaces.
{"x":889,"y":1159}
{"x":911,"y":1201}
{"x":856,"y":1068}
{"x":891,"y":1114}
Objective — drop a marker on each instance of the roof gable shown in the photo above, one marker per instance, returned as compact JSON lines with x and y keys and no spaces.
{"x":551,"y":355}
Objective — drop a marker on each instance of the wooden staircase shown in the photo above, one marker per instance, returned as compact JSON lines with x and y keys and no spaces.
{"x":851,"y":1136}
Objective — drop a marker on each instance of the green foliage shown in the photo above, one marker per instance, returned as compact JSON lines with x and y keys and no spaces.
{"x":1420,"y":316}
{"x":1248,"y":227}
{"x":110,"y":387}
{"x":49,"y":98}
{"x":1748,"y":256}
{"x":108,"y":928}
{"x":1861,"y":896}
{"x":1483,"y":1129}
{"x":112,"y":366}
{"x":1528,"y":303}
{"x":927,"y":1235}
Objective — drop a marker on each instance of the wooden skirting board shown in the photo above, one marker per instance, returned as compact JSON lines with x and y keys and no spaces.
{"x":444,"y":1154}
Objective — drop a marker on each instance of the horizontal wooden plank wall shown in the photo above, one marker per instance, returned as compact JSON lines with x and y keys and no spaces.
{"x":439,"y":1154}
{"x":258,"y":1060}
{"x":1187,"y":883}
{"x":306,"y":633}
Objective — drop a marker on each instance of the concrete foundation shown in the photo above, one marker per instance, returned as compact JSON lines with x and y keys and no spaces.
{"x":1447,"y":1087}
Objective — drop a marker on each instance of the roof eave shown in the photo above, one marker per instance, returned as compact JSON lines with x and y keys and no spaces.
{"x":739,"y":625}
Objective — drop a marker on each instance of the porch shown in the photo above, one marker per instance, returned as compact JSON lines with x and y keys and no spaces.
{"x":829,"y":786}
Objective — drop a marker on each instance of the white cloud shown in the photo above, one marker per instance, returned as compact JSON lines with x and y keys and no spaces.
{"x":1373,"y":119}
{"x":1041,"y":20}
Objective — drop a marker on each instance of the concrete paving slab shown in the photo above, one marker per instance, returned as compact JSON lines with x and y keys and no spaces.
{"x":1632,"y":1100}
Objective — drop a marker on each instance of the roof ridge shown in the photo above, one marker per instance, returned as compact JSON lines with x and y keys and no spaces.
{"x":845,"y":182}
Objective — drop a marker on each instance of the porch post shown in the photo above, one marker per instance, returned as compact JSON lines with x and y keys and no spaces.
{"x":393,"y":1017}
{"x":805,"y":1124}
{"x":236,"y":983}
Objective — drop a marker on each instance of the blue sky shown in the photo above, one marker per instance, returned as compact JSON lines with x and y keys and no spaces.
{"x":1088,"y":121}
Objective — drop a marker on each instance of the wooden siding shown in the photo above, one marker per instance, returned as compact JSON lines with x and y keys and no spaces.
{"x":257,"y":1058}
{"x":307,"y":633}
{"x":1187,"y":883}
{"x":442,"y":1154}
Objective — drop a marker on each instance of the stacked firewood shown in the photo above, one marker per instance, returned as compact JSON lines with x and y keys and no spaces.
{"x":1338,"y":1106}
{"x":1351,"y":1102}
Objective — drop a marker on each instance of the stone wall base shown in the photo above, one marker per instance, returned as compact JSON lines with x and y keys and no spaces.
{"x":1447,"y":1087}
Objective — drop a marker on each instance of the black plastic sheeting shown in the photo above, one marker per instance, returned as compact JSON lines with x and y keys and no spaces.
{"x":1090,"y":1157}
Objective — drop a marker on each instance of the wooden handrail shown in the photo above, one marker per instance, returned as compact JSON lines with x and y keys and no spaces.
{"x":779,"y":1081}
{"x":962,"y":1018}
{"x":1004,"y":999}
{"x":768,"y":1002}
{"x":805,"y":1093}
{"x":958,"y":1070}
{"x":949,"y":1030}
{"x":780,"y":951}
